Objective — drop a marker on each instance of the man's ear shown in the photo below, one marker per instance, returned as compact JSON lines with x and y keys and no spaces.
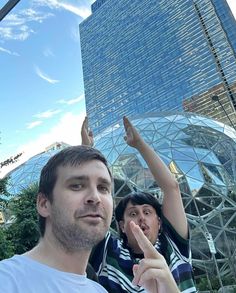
{"x":43,"y":205}
{"x":121,"y":226}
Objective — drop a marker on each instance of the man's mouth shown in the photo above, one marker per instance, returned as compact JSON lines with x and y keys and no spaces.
{"x":91,"y":215}
{"x":144,"y":228}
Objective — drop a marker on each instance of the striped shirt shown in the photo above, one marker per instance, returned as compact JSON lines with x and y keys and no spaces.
{"x":113,"y":261}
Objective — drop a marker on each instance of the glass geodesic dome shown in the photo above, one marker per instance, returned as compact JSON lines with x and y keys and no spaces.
{"x":28,"y":172}
{"x":201,"y":153}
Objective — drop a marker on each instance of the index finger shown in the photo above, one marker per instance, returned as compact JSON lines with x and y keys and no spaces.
{"x":126,"y":122}
{"x":85,"y":122}
{"x":143,"y":242}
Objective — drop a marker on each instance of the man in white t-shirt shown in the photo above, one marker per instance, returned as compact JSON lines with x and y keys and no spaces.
{"x":75,"y":205}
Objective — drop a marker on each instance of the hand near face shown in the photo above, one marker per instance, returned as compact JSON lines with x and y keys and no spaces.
{"x":132,"y":137}
{"x":152,"y":273}
{"x":86,"y":134}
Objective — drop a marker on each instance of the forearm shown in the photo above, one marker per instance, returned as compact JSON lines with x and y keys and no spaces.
{"x":172,"y":205}
{"x":159,"y":170}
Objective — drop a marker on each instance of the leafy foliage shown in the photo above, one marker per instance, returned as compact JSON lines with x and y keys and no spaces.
{"x":23,"y":233}
{"x":3,"y":186}
{"x":6,"y":247}
{"x":203,"y":283}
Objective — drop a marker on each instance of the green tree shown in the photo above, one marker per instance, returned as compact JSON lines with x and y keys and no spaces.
{"x":6,"y":247}
{"x":23,"y":232}
{"x":3,"y":185}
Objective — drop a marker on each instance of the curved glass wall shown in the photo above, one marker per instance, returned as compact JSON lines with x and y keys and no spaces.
{"x":28,"y":172}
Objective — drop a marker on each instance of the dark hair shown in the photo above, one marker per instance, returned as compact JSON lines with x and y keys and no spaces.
{"x":136,"y":198}
{"x":70,"y":156}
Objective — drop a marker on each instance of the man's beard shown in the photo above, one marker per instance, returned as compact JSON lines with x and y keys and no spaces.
{"x":73,"y":237}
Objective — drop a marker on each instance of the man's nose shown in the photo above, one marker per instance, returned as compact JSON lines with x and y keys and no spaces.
{"x":93,"y":196}
{"x":141,"y":217}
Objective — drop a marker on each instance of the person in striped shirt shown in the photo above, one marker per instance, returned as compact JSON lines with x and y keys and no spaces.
{"x":122,"y":264}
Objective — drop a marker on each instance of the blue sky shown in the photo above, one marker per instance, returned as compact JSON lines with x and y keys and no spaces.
{"x":41,"y":81}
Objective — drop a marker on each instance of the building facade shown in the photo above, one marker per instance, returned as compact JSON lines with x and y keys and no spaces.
{"x":142,"y":56}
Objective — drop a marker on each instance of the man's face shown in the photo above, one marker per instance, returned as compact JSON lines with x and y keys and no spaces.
{"x":82,"y":205}
{"x":146,"y":217}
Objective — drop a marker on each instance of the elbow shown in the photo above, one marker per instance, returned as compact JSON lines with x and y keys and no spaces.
{"x":174,"y":186}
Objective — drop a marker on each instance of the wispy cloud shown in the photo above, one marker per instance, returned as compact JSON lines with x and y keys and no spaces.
{"x":67,"y":130}
{"x":15,"y":33}
{"x":17,"y":26}
{"x":45,"y":76}
{"x":33,"y":124}
{"x":75,"y":34}
{"x":72,"y":101}
{"x":26,"y":15}
{"x":48,"y":52}
{"x":47,"y":114}
{"x":9,"y":52}
{"x":82,"y":9}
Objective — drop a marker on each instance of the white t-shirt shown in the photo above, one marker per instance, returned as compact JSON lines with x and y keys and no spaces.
{"x":21,"y":274}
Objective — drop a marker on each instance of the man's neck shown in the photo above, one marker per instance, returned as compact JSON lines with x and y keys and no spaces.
{"x":57,"y":258}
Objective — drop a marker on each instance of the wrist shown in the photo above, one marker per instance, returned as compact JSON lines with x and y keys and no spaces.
{"x":140,"y":144}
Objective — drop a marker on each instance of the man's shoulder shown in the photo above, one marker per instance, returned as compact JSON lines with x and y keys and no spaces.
{"x":22,"y":274}
{"x":171,"y":241}
{"x":11,"y":262}
{"x":170,"y":232}
{"x":9,"y":272}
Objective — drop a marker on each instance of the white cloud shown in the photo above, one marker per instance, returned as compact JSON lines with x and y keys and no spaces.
{"x":47,"y":114}
{"x":16,"y":26}
{"x":20,"y":33}
{"x":25,"y":16}
{"x":45,"y":76}
{"x":82,"y":9}
{"x":75,"y":34}
{"x":72,"y":101}
{"x":48,"y":52}
{"x":8,"y":52}
{"x":33,"y":124}
{"x":67,"y":130}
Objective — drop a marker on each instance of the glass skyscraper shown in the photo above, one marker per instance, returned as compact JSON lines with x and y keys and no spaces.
{"x":142,"y":56}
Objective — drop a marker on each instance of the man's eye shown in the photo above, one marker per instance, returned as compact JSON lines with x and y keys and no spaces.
{"x":147,"y":212}
{"x":132,"y":214}
{"x":76,"y":186}
{"x":103,"y":188}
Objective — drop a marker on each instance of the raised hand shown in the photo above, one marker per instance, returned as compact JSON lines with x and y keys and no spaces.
{"x":132,"y":136}
{"x":86,"y":134}
{"x":152,"y":273}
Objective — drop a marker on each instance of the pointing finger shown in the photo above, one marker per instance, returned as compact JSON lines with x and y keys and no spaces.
{"x":143,"y":242}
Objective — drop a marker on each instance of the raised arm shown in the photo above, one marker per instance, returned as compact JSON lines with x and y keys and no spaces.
{"x":172,"y":206}
{"x":86,"y":134}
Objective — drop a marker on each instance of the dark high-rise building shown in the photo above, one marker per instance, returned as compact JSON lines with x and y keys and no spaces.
{"x":140,"y":56}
